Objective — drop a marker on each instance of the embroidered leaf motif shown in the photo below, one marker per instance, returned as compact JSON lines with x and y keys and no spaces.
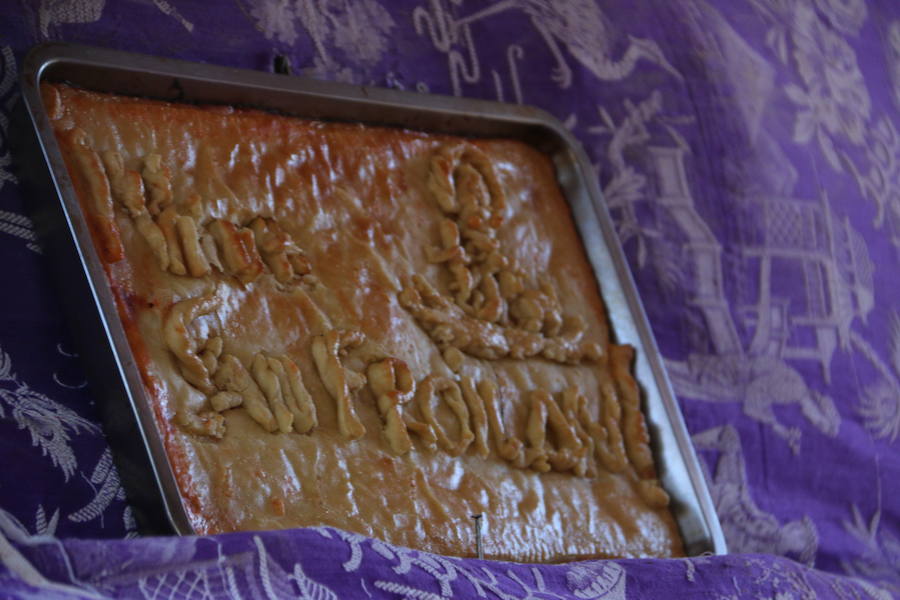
{"x":273,"y":579}
{"x":101,"y":471}
{"x":880,"y":556}
{"x":805,"y":127}
{"x":18,"y":225}
{"x":828,"y":150}
{"x":879,"y":404}
{"x":7,"y":88}
{"x":48,"y":422}
{"x":353,"y":540}
{"x":104,"y":474}
{"x":405,"y":591}
{"x":53,"y":14}
{"x":309,"y":589}
{"x":264,"y":576}
{"x":879,"y":408}
{"x":129,"y":522}
{"x":596,"y":579}
{"x":796,"y":93}
{"x":41,"y":526}
{"x":5,"y":367}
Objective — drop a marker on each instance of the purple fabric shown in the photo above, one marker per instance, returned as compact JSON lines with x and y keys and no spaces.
{"x":749,"y":153}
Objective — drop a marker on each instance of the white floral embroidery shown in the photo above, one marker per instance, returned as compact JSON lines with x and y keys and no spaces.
{"x":847,"y":16}
{"x":880,"y":409}
{"x":12,"y":531}
{"x":167,"y":9}
{"x":588,"y":580}
{"x":53,"y":12}
{"x":779,"y":14}
{"x":107,"y":478}
{"x":879,"y":404}
{"x":309,"y":589}
{"x":41,"y":525}
{"x":880,"y":557}
{"x":63,"y":12}
{"x":835,"y":101}
{"x":881,"y":183}
{"x":359,"y":30}
{"x":784,"y":582}
{"x":48,"y":422}
{"x":276,"y":20}
{"x":18,"y":225}
{"x":199,"y":568}
{"x":8,"y":96}
{"x":596,"y":579}
{"x":834,"y":104}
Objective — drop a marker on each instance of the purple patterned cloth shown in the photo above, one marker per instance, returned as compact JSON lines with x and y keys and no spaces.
{"x":749,"y":153}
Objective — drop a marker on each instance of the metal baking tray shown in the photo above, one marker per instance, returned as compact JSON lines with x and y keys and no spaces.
{"x":86,"y":296}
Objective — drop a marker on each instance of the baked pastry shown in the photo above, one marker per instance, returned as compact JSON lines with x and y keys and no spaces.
{"x":379,"y":330}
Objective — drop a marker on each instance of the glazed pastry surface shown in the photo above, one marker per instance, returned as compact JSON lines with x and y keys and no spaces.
{"x":379,"y":330}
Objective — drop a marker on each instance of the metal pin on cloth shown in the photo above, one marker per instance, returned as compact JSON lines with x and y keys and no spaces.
{"x":479,"y":549}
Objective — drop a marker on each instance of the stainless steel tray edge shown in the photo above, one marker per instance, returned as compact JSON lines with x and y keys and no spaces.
{"x":92,"y":315}
{"x":143,"y":75}
{"x":649,"y":364}
{"x":696,"y":516}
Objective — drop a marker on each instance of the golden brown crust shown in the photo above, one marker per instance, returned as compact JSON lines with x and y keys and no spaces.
{"x":379,"y":330}
{"x":91,"y":182}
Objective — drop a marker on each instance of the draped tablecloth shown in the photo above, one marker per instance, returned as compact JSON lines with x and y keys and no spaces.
{"x":749,"y":153}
